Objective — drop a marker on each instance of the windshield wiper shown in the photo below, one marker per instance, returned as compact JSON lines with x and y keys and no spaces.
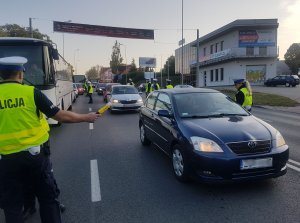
{"x":218,"y":115}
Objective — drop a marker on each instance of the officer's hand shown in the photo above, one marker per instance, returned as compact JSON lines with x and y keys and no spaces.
{"x":92,"y":117}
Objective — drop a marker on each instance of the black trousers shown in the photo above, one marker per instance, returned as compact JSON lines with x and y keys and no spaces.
{"x":21,"y":170}
{"x":91,"y":97}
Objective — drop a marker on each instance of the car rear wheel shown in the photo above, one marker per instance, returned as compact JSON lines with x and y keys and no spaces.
{"x":144,"y":140}
{"x":180,"y":166}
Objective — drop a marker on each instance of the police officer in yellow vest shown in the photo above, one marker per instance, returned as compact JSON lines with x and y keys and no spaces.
{"x":22,"y":135}
{"x":244,"y":94}
{"x":169,"y":85}
{"x":90,"y":91}
{"x":155,"y":86}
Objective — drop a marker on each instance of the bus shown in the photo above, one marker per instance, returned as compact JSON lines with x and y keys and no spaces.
{"x":46,"y":69}
{"x":79,"y":78}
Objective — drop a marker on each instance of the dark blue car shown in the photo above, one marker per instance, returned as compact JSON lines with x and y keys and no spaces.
{"x":210,"y":137}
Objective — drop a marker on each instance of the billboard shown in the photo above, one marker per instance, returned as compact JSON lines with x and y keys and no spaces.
{"x":149,"y":75}
{"x":108,"y":31}
{"x":254,"y":38}
{"x":147,"y":62}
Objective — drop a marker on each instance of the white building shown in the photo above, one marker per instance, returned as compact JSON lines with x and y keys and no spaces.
{"x":241,"y":49}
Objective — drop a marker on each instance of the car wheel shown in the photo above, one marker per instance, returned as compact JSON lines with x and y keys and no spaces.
{"x":180,"y":166}
{"x":144,"y":140}
{"x":287,"y":84}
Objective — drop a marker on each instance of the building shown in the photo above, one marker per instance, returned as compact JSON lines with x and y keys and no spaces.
{"x":241,"y":49}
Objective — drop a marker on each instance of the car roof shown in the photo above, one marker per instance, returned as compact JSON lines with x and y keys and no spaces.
{"x":188,"y":90}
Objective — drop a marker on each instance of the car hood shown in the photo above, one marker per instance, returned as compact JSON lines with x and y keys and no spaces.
{"x":228,"y":129}
{"x":126,"y":97}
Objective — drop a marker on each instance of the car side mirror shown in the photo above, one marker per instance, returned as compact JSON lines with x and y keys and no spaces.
{"x":165,"y":113}
{"x":55,"y":54}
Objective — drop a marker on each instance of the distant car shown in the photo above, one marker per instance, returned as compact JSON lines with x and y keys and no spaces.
{"x":94,"y":84}
{"x":107,"y":90}
{"x":183,"y":86}
{"x":142,"y":87}
{"x":75,"y":89}
{"x":124,"y":98}
{"x":100,"y":87}
{"x":210,"y":137}
{"x":287,"y":80}
{"x":80,"y":88}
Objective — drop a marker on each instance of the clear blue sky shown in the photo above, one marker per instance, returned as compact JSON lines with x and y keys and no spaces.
{"x":164,"y":16}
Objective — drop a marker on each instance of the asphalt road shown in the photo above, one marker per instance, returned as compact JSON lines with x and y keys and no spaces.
{"x":137,"y":185}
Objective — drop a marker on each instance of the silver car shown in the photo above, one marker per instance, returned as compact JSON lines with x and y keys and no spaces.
{"x":124,"y":98}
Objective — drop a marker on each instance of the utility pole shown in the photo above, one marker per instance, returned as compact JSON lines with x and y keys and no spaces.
{"x":181,"y":41}
{"x":197,"y":57}
{"x":30,"y":27}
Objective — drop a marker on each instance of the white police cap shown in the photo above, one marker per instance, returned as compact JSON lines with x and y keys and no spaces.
{"x":12,"y":63}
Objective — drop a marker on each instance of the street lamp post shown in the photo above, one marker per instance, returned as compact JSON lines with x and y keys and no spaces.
{"x":77,"y":50}
{"x":181,"y":41}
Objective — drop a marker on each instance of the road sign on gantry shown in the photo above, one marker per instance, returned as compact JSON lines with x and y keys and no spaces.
{"x":108,"y":31}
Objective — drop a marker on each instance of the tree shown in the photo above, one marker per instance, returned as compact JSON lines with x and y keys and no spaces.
{"x":292,"y":57}
{"x":116,"y":58}
{"x":133,"y":66}
{"x":93,"y":73}
{"x":14,"y":30}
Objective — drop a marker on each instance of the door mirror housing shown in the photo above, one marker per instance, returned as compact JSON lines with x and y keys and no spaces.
{"x":165,"y":113}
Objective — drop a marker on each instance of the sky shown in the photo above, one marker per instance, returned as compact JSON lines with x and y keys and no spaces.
{"x":164,"y":16}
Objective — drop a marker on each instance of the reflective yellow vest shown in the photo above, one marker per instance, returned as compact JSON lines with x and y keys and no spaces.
{"x":169,"y":86}
{"x":152,"y":87}
{"x":20,"y":127}
{"x":247,"y":97}
{"x":91,"y":89}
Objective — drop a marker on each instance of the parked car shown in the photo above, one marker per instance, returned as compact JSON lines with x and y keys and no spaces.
{"x":183,"y":86}
{"x":100,"y":87}
{"x":287,"y":80}
{"x":107,"y":90}
{"x":80,"y":88}
{"x":210,"y":137}
{"x":124,"y":98}
{"x":75,"y":89}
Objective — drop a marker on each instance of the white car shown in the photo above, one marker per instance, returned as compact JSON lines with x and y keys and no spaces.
{"x":124,"y":98}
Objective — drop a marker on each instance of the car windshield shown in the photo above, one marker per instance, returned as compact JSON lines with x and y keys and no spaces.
{"x":101,"y":85}
{"x":124,"y":90}
{"x":203,"y":105}
{"x":79,"y":85}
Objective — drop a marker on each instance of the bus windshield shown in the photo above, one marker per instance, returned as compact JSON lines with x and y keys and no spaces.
{"x":34,"y":69}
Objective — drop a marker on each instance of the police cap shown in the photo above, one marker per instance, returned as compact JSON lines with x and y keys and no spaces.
{"x":238,"y":81}
{"x":12,"y":63}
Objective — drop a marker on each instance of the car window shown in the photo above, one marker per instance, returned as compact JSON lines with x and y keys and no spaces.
{"x":163,"y":102}
{"x":206,"y":104}
{"x":124,"y":90}
{"x":151,"y":100}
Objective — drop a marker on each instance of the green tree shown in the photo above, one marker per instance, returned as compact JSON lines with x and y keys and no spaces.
{"x":133,"y":66}
{"x":93,"y":73}
{"x":116,"y":58}
{"x":292,"y":57}
{"x":14,"y":30}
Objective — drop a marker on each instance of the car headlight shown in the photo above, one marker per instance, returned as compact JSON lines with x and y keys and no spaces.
{"x":205,"y":145}
{"x":115,"y":101}
{"x":140,"y":100}
{"x":279,"y":140}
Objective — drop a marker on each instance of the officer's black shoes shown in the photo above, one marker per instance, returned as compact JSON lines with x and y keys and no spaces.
{"x":62,"y":208}
{"x":28,"y":212}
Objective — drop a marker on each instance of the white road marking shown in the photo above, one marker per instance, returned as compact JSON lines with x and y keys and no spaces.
{"x":293,"y":167}
{"x":91,"y":126}
{"x":90,"y":109}
{"x":95,"y":182}
{"x":295,"y":162}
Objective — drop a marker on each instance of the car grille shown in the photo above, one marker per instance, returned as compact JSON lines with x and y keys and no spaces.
{"x":128,"y":102}
{"x":242,"y":148}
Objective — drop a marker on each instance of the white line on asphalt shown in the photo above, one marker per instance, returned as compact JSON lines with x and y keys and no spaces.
{"x":293,"y":167}
{"x":295,"y":162}
{"x":91,"y":126}
{"x":95,"y":182}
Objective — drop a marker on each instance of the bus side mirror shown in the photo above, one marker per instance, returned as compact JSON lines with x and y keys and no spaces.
{"x":55,"y":54}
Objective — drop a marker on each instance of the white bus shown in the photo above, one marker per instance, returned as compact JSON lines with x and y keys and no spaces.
{"x":45,"y":69}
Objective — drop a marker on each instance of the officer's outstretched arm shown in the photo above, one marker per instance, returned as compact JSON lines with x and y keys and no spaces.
{"x":72,"y":117}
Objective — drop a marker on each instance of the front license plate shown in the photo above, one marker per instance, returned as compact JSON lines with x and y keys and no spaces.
{"x":256,"y":163}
